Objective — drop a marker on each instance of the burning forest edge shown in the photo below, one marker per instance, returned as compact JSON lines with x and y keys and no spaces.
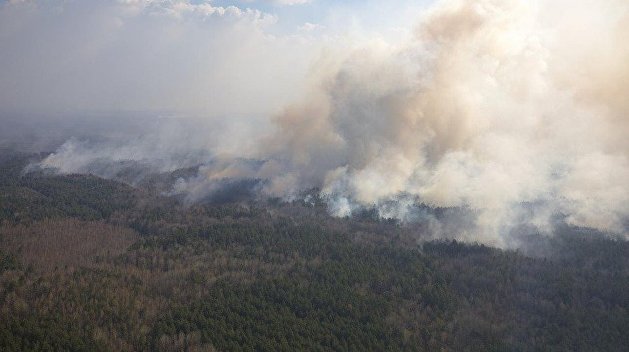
{"x":128,"y":268}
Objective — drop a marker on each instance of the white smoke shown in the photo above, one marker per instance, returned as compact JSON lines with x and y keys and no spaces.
{"x":514,"y":110}
{"x":501,"y":106}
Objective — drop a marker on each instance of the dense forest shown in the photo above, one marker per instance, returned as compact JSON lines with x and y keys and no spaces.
{"x":88,"y":264}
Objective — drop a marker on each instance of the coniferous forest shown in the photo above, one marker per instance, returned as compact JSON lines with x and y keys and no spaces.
{"x":88,"y":264}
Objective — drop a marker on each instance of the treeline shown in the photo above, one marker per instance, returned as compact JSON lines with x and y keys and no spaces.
{"x":28,"y":197}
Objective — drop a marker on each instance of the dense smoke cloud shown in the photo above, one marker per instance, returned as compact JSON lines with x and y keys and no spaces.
{"x":503,"y":107}
{"x":515,"y":111}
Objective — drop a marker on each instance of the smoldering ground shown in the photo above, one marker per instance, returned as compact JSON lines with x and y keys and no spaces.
{"x":514,"y":111}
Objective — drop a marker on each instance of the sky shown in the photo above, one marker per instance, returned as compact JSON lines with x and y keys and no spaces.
{"x":378,"y":15}
{"x":197,"y":57}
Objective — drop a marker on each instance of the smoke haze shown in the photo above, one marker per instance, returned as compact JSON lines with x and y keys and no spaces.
{"x":513,"y":111}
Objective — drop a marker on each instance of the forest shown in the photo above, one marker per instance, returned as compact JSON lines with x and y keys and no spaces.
{"x":88,"y":264}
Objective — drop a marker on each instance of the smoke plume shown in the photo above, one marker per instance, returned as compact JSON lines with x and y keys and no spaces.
{"x":516,"y":111}
{"x":503,"y":107}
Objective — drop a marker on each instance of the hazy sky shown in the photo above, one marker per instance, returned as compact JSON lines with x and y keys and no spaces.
{"x":205,"y":57}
